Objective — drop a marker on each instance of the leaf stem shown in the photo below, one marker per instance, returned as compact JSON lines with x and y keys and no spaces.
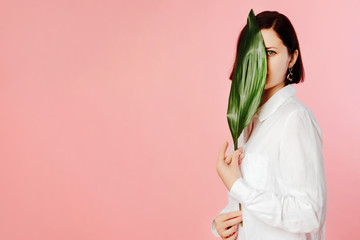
{"x":241,"y":223}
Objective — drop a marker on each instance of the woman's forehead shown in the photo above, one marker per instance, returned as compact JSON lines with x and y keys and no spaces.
{"x":271,"y":38}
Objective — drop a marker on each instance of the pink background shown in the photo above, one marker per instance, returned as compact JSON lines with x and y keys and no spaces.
{"x":113,"y":113}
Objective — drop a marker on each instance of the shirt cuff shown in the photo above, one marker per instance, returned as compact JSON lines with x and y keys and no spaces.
{"x":240,"y":190}
{"x":213,"y":228}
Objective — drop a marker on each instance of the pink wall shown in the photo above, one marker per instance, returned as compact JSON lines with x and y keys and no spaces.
{"x":113,"y":113}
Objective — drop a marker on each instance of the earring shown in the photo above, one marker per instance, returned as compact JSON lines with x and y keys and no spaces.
{"x":290,"y":75}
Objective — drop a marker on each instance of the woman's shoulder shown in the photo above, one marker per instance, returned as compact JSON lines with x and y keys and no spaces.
{"x":295,"y":106}
{"x":294,"y":109}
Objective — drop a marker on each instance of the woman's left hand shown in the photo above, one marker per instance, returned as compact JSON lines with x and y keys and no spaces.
{"x":228,"y":167}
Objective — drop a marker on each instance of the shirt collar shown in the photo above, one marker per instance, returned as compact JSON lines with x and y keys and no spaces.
{"x":274,"y":102}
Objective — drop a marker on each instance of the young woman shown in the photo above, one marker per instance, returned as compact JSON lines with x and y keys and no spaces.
{"x":277,"y":174}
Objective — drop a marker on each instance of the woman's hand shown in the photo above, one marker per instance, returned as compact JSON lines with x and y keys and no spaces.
{"x":228,"y":168}
{"x":226,"y":224}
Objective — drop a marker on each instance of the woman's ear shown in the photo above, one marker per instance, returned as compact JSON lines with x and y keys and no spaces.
{"x":294,"y":58}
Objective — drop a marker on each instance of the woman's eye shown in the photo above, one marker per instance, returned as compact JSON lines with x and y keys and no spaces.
{"x":271,"y":51}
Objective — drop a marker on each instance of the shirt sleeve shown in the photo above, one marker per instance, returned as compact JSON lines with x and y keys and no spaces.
{"x":301,"y":173}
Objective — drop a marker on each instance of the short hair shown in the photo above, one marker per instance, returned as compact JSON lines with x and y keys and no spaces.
{"x":286,"y":32}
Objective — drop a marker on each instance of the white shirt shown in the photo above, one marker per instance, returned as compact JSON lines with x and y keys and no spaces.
{"x":282,"y":190}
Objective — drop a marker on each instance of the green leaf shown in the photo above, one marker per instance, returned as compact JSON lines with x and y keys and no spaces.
{"x":249,"y":79}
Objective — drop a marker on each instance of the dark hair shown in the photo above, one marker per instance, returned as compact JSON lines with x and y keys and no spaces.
{"x":286,"y":32}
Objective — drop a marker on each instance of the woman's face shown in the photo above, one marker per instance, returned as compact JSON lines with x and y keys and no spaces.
{"x":278,"y":59}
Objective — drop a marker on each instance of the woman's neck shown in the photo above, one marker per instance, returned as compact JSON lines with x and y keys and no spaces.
{"x":268,"y":93}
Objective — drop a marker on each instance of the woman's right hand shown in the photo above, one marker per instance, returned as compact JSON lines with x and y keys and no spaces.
{"x":227,"y":224}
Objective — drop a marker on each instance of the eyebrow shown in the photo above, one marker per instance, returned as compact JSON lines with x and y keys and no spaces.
{"x":270,"y":47}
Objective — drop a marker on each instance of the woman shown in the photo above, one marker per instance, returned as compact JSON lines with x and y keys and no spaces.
{"x":277,"y":174}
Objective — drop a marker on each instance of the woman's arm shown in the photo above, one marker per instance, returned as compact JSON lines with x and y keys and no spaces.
{"x":213,"y":228}
{"x":301,"y":173}
{"x":232,"y":206}
{"x":225,"y":210}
